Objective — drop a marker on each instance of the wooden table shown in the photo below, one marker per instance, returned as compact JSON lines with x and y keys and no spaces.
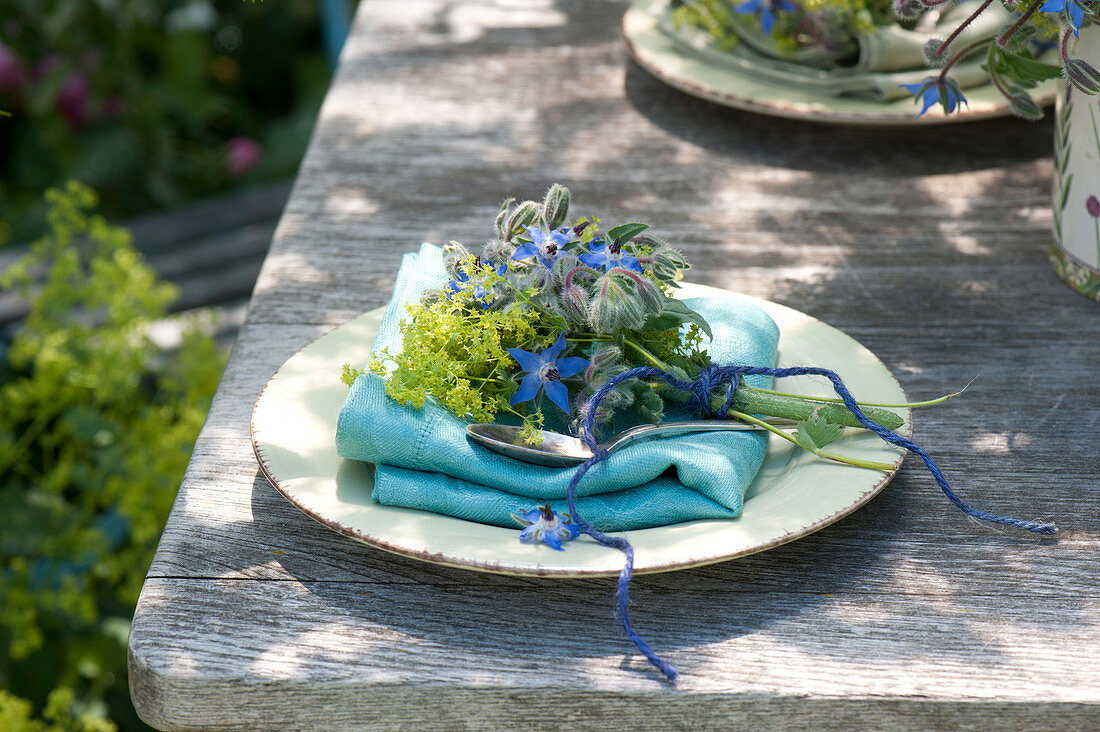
{"x":925,"y":244}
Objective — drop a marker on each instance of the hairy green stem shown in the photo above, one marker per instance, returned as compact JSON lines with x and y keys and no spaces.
{"x":755,"y":401}
{"x":835,"y":400}
{"x":653,"y":360}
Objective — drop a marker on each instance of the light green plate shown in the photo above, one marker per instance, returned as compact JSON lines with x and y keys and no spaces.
{"x":795,"y":493}
{"x":646,"y":29}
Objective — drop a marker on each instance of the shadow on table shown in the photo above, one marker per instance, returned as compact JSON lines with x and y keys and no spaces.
{"x":465,"y":615}
{"x":775,"y":141}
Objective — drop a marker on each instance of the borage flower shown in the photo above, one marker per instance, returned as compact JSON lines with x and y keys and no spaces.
{"x":767,"y":9}
{"x":1073,"y":9}
{"x":546,"y":246}
{"x":608,"y":257}
{"x":482,"y":295}
{"x":546,"y":525}
{"x":545,"y":371}
{"x":942,"y":89}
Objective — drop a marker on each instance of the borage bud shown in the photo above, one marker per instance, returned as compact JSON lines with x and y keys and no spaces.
{"x":526,"y":214}
{"x":555,"y":207}
{"x":455,"y":255}
{"x":651,"y":298}
{"x":933,"y":52}
{"x":495,"y":251}
{"x":652,"y":242}
{"x":605,"y":357}
{"x":502,"y":217}
{"x":667,"y":265}
{"x":575,"y":304}
{"x":1082,"y":75}
{"x":1022,"y":105}
{"x":614,"y":307}
{"x":907,"y":9}
{"x":563,"y":265}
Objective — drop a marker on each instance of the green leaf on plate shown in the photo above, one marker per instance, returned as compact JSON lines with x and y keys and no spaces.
{"x":814,"y":433}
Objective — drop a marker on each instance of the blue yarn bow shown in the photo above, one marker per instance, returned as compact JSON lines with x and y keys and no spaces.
{"x":711,"y":378}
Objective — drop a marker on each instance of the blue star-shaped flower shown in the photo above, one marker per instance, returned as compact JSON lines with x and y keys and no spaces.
{"x":609,"y":256}
{"x":1072,"y":8}
{"x":547,"y":525}
{"x":767,"y":9}
{"x":546,"y":246}
{"x":545,"y":371}
{"x":935,"y":89}
{"x":482,"y":296}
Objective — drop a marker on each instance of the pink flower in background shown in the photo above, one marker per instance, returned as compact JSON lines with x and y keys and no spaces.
{"x":243,"y":154}
{"x":1093,"y":207}
{"x":72,"y":100}
{"x":47,"y":66}
{"x":12,"y":73}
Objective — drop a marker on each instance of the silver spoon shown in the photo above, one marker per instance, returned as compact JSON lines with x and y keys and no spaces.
{"x":561,"y":451}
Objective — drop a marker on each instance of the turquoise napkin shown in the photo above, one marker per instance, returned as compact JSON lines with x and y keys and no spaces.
{"x":423,"y":459}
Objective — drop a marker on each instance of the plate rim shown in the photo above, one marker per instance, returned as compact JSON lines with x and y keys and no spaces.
{"x":497,"y":567}
{"x":639,"y":9}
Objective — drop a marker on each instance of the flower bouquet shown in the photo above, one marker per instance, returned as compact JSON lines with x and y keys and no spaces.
{"x":550,"y":314}
{"x":558,"y":324}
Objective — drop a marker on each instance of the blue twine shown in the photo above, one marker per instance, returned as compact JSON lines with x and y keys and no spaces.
{"x":710,"y":378}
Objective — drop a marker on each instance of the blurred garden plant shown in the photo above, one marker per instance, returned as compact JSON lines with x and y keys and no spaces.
{"x":152,"y":103}
{"x":96,"y":426}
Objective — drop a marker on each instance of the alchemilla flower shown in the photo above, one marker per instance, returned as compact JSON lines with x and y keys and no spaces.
{"x":546,"y":525}
{"x":609,"y":256}
{"x":482,"y":296}
{"x":545,"y":371}
{"x":547,"y":246}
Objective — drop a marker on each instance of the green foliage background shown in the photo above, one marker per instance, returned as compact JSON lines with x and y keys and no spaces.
{"x":169,"y":83}
{"x":96,"y":426}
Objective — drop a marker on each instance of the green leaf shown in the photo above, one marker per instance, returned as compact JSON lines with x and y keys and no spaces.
{"x":674,"y":314}
{"x":1027,"y":71}
{"x":814,"y":433}
{"x":626,"y":232}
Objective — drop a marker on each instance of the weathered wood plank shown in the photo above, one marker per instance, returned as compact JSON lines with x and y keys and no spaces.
{"x":924,"y":244}
{"x":451,"y":648}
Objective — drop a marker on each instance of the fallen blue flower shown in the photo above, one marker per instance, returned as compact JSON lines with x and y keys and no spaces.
{"x":545,"y":371}
{"x":609,"y":256}
{"x":547,"y":246}
{"x":546,"y":525}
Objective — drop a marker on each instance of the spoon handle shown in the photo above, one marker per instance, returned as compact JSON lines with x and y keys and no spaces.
{"x":645,"y":432}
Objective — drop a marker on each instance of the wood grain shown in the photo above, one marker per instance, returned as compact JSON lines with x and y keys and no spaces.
{"x":925,"y":244}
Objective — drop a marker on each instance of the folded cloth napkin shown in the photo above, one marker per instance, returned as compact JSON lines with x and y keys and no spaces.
{"x":875,"y":68}
{"x":423,"y":459}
